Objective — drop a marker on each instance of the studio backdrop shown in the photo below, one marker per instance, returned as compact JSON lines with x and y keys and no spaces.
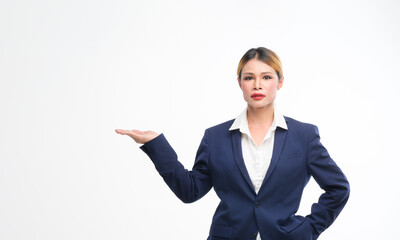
{"x":71,"y":72}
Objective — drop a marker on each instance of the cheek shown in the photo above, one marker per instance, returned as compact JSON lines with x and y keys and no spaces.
{"x":276,"y":84}
{"x":272,"y":90}
{"x":246,"y":88}
{"x":271,"y":87}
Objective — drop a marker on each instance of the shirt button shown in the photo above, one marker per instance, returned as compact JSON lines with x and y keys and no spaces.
{"x":253,"y":235}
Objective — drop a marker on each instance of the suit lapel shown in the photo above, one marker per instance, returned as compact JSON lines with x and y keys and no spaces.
{"x":280,"y":137}
{"x":237,"y":152}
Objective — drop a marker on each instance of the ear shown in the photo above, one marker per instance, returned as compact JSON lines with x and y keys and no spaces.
{"x":240,"y":83}
{"x":280,"y":82}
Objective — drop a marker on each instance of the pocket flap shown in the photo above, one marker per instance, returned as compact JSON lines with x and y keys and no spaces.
{"x":293,"y":223}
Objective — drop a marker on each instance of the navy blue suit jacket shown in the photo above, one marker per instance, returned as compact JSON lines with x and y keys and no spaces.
{"x":241,"y":213}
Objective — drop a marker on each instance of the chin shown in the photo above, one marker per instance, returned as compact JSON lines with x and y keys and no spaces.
{"x":260,"y":105}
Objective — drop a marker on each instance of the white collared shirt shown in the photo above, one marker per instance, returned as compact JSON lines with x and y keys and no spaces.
{"x":257,"y":158}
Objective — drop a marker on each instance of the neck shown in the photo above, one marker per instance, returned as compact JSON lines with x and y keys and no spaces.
{"x":260,"y":116}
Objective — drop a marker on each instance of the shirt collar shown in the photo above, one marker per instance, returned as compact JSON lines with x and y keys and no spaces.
{"x":243,"y":126}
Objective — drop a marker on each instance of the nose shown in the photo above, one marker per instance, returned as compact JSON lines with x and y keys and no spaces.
{"x":257,"y":84}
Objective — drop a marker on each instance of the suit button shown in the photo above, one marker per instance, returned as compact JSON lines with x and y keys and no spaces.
{"x":257,"y":204}
{"x":253,"y":235}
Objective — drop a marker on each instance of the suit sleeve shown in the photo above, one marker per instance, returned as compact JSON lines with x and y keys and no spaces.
{"x":188,"y":186}
{"x":331,"y":179}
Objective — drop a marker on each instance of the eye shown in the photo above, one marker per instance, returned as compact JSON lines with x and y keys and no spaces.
{"x":248,"y":78}
{"x":267,"y":77}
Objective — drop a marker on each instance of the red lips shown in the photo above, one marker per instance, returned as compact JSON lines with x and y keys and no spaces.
{"x":257,"y":95}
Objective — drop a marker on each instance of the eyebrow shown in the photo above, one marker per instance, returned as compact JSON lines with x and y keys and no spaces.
{"x":249,"y":73}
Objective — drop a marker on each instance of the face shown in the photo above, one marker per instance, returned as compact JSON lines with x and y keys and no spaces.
{"x":259,"y":83}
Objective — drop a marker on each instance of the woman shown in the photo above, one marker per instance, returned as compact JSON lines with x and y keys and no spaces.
{"x":258,"y":164}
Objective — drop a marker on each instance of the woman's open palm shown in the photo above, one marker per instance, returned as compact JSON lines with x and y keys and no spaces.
{"x":137,"y":135}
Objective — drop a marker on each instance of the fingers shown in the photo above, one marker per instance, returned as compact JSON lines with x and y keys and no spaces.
{"x":137,"y":135}
{"x":123,"y":132}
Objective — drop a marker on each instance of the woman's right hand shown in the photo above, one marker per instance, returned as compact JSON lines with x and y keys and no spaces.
{"x":141,"y":137}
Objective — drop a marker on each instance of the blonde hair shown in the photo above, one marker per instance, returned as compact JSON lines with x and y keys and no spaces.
{"x":263,"y":54}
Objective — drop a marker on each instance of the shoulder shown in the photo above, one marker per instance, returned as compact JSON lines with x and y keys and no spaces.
{"x":219,"y":131}
{"x":222,"y":127}
{"x":298,"y":126}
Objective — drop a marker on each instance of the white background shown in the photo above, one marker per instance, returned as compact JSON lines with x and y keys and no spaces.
{"x":71,"y":72}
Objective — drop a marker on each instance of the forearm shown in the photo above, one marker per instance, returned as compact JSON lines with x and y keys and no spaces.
{"x":330,"y":204}
{"x":331,"y":179}
{"x":188,"y":186}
